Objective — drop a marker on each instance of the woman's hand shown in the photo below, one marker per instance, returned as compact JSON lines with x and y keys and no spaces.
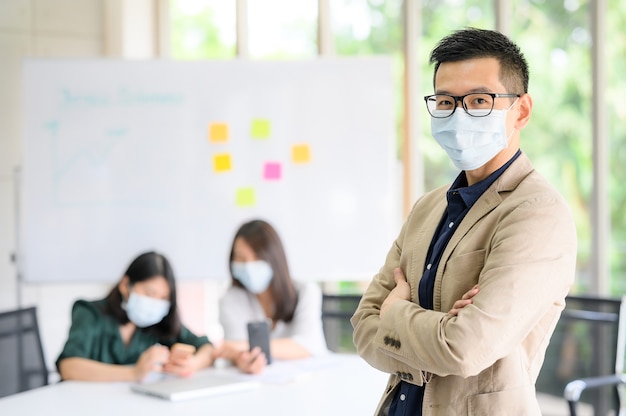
{"x":465,"y":300}
{"x":181,"y":361}
{"x":151,"y":360}
{"x":184,"y":360}
{"x":251,"y":362}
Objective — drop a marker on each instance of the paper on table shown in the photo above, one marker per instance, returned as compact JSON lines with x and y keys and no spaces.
{"x":283,"y":371}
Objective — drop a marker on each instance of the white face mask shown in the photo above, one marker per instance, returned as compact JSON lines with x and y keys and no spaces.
{"x":471,"y":141}
{"x":145,"y":311}
{"x":253,"y":275}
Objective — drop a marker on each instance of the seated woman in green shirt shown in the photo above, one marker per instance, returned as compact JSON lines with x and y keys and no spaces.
{"x":134,"y":331}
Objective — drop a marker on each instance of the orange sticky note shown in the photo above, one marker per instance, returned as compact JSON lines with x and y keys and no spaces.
{"x":222,"y":162}
{"x":301,"y":153}
{"x":218,"y":132}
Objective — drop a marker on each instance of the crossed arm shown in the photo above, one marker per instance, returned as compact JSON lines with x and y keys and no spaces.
{"x":402,"y":291}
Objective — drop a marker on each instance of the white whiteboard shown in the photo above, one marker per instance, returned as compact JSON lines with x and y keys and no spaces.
{"x":121,"y":157}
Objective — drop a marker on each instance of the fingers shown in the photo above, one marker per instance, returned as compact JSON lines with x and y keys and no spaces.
{"x":465,"y":300}
{"x":152,"y":359}
{"x":252,"y":362}
{"x":258,"y":362}
{"x":398,"y":276}
{"x":157,"y":355}
{"x":458,"y":305}
{"x":470,"y":293}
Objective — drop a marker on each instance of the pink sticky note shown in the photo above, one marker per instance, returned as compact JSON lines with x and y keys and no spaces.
{"x":272,"y":171}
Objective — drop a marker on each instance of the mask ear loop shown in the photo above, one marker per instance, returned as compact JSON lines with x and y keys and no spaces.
{"x":513,"y":103}
{"x":512,"y":131}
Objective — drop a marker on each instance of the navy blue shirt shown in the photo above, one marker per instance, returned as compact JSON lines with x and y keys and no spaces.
{"x":409,"y":397}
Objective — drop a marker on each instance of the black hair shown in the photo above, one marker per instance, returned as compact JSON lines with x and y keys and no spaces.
{"x":473,"y":43}
{"x":266,"y":244}
{"x":145,"y":267}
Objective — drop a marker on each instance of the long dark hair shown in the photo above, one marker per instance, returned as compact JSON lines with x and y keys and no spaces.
{"x":264,"y":240}
{"x":145,"y":267}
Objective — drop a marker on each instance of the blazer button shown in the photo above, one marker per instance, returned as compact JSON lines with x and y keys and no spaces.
{"x":398,"y":343}
{"x":386,"y":340}
{"x":410,"y":377}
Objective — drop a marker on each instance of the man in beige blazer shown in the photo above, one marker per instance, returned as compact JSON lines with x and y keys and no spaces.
{"x":463,"y":309}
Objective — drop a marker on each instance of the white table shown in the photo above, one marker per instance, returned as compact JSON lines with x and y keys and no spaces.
{"x":336,"y":385}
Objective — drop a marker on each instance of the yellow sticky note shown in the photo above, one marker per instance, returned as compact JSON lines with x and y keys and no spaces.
{"x":245,"y":197}
{"x":218,"y":132}
{"x":301,"y":153}
{"x":222,"y":162}
{"x":260,"y":129}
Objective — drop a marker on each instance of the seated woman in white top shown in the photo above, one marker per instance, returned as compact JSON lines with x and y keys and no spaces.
{"x":262,"y":289}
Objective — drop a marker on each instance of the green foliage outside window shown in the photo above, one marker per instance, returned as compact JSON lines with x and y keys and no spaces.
{"x":556,"y":39}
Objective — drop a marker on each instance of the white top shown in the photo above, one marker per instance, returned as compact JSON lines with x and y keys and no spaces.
{"x":238,"y":307}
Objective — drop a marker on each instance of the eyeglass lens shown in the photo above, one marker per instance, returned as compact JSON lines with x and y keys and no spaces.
{"x":476,"y":104}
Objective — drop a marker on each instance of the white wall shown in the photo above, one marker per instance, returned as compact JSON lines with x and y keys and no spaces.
{"x":64,"y":29}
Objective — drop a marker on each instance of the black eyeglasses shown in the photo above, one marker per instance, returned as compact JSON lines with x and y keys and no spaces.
{"x":476,"y":104}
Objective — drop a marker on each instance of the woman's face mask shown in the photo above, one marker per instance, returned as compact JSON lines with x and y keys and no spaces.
{"x":145,"y":311}
{"x":253,"y":275}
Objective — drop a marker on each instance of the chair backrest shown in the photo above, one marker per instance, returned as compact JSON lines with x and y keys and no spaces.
{"x":336,"y":313}
{"x":22,"y":363}
{"x":588,"y":342}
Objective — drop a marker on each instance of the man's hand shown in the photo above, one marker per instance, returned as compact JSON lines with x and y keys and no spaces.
{"x":402,"y":291}
{"x":465,"y":300}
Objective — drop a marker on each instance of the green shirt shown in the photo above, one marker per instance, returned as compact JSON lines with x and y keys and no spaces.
{"x":96,"y":336}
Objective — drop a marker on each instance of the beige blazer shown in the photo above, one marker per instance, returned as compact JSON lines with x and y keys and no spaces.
{"x":518,"y":242}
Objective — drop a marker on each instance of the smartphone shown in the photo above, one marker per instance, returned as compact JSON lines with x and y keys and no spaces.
{"x":259,"y":336}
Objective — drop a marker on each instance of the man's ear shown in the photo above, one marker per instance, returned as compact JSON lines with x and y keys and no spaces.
{"x":124,"y":287}
{"x":525,"y":105}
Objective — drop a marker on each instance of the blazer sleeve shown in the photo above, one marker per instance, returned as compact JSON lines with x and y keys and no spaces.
{"x":524,"y":265}
{"x":366,"y":321}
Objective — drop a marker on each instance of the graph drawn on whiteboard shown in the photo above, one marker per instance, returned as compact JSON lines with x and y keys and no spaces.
{"x":79,"y":175}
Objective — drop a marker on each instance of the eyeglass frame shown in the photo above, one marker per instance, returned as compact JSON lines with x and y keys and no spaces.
{"x":461,"y":98}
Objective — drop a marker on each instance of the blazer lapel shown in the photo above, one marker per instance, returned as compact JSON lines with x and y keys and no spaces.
{"x":488,"y":201}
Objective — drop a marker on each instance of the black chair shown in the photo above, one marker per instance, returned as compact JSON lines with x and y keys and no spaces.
{"x":586,"y":354}
{"x":613,"y":317}
{"x":22,"y":363}
{"x":336,"y":313}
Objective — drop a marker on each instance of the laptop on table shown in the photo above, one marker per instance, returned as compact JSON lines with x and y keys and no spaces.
{"x":202,"y":384}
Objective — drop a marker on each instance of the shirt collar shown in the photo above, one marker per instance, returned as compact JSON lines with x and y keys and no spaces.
{"x":470,"y":194}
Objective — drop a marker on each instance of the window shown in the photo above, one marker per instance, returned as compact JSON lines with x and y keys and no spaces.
{"x":555,"y":37}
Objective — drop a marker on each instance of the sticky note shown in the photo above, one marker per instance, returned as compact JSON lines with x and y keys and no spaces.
{"x":222,"y":162}
{"x":272,"y":171}
{"x":301,"y":153}
{"x":218,"y":132}
{"x":245,"y":197}
{"x":260,"y":129}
